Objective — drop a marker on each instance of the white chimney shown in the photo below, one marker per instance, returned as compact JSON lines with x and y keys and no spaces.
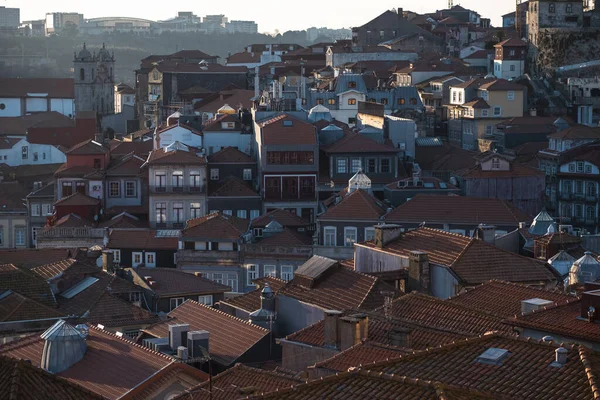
{"x":530,"y":305}
{"x":560,"y":357}
{"x":182,"y":353}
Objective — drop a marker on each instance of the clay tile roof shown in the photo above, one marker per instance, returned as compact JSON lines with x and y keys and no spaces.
{"x":20,"y":125}
{"x":577,"y":132}
{"x":54,"y":87}
{"x":357,"y":143}
{"x":68,"y":221}
{"x":244,"y":57}
{"x":358,"y":205}
{"x":147,"y":239}
{"x":112,"y":311}
{"x":49,"y":271}
{"x":501,"y":85}
{"x":503,"y":299}
{"x":121,"y":148}
{"x":477,"y":103}
{"x":27,"y":284}
{"x":105,"y":352}
{"x":77,"y":199}
{"x":287,"y":237}
{"x":216,"y":226}
{"x":230,"y":337}
{"x":127,"y":165}
{"x":236,"y":98}
{"x":124,"y":220}
{"x":250,"y":301}
{"x":186,"y":375}
{"x":437,"y":209}
{"x":283,"y":217}
{"x":171,"y":282}
{"x":20,"y":380}
{"x":525,"y":371}
{"x":363,"y":353}
{"x":516,"y":170}
{"x":13,"y":195}
{"x":76,"y":171}
{"x":176,"y":157}
{"x":286,"y":130}
{"x":234,"y":187}
{"x":511,"y":42}
{"x":30,"y":258}
{"x":478,"y":54}
{"x":87,"y":147}
{"x":230,"y":155}
{"x":240,"y":381}
{"x":195,"y":54}
{"x":15,"y":307}
{"x":359,"y":384}
{"x":337,"y":288}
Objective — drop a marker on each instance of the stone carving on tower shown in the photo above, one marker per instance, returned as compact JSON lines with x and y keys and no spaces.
{"x":94,"y":81}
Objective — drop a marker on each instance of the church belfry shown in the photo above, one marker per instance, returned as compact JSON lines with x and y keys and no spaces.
{"x":94,"y":81}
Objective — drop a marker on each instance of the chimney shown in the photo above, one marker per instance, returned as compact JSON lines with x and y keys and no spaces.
{"x":198,"y":343}
{"x":182,"y":353}
{"x":363,"y":324}
{"x":560,"y":358}
{"x":400,"y":12}
{"x":533,"y":112}
{"x":418,"y":272}
{"x":332,"y":328}
{"x":400,"y":337}
{"x":267,"y":298}
{"x":531,"y":305}
{"x":64,"y":345}
{"x":107,"y":261}
{"x":99,"y":137}
{"x":590,"y":303}
{"x":349,"y":332}
{"x":177,"y":335}
{"x":386,"y":233}
{"x":487,"y":233}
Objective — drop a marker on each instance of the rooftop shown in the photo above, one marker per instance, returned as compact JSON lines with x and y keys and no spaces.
{"x":358,"y":205}
{"x":216,"y":226}
{"x":172,"y":282}
{"x":52,"y":87}
{"x":285,"y":218}
{"x":234,"y":187}
{"x":146,"y":239}
{"x":283,"y":129}
{"x":250,"y":301}
{"x":357,"y":143}
{"x":230,"y":155}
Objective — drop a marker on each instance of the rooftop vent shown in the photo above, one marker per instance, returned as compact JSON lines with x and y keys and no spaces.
{"x":536,"y":304}
{"x":560,"y":358}
{"x":493,"y":356}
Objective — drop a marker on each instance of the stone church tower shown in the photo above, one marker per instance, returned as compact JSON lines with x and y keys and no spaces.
{"x":94,"y":81}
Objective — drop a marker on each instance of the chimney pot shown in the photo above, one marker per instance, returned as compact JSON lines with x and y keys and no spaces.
{"x":178,"y":335}
{"x":561,"y":356}
{"x":386,"y":233}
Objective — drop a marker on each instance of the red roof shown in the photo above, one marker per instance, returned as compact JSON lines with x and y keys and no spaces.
{"x":357,"y":143}
{"x":77,"y":199}
{"x":128,"y":165}
{"x":230,"y":155}
{"x":173,"y":282}
{"x":30,"y":258}
{"x":577,"y":132}
{"x":144,"y":239}
{"x":216,"y":226}
{"x":183,"y":68}
{"x":112,"y":311}
{"x":21,"y":125}
{"x":234,"y":187}
{"x":250,"y":301}
{"x":286,"y":130}
{"x":244,"y":57}
{"x":358,"y":205}
{"x":478,"y":54}
{"x":89,"y":146}
{"x":175,"y":157}
{"x":287,"y":237}
{"x":283,"y":217}
{"x":16,"y":307}
{"x":517,"y":170}
{"x":511,"y":42}
{"x":501,"y":85}
{"x":230,"y":337}
{"x":236,"y":98}
{"x":54,"y":87}
{"x":195,"y":54}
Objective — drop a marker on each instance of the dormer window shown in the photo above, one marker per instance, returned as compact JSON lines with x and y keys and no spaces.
{"x":351,"y":85}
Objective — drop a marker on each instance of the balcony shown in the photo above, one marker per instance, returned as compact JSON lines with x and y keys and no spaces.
{"x":186,"y":189}
{"x":566,"y":196}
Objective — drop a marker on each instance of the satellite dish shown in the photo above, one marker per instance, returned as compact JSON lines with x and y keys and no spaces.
{"x":99,"y":262}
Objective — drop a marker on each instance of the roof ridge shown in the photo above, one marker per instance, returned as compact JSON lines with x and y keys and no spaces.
{"x":546,"y":308}
{"x":225,"y":314}
{"x":589,"y":371}
{"x":514,"y":284}
{"x":105,"y":332}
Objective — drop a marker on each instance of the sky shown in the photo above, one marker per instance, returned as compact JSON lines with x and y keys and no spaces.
{"x":269,"y":14}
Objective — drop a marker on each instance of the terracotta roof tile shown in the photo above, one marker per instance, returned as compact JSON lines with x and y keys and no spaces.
{"x":234,"y":187}
{"x":104,"y":353}
{"x":216,"y":124}
{"x":51,"y":270}
{"x":55,"y":87}
{"x":77,"y":199}
{"x":141,"y":239}
{"x":15,"y":307}
{"x":287,"y":237}
{"x":88,"y":147}
{"x":230,"y":155}
{"x":236,"y":98}
{"x":477,"y":103}
{"x":577,"y":132}
{"x":112,"y":311}
{"x":74,"y":171}
{"x":183,"y":68}
{"x":503,"y":299}
{"x":501,"y":85}
{"x":284,"y":129}
{"x":250,"y":301}
{"x":121,"y":148}
{"x":216,"y":226}
{"x":30,"y":258}
{"x":283,"y":217}
{"x":244,"y":57}
{"x":517,"y":170}
{"x":27,"y":284}
{"x":240,"y":381}
{"x":436,"y":209}
{"x":176,"y":157}
{"x":171,"y":282}
{"x":525,"y":372}
{"x":68,"y":221}
{"x":357,"y":143}
{"x":124,"y":220}
{"x":22,"y":126}
{"x":127,"y":165}
{"x":230,"y":337}
{"x":358,"y":205}
{"x":13,"y":196}
{"x":511,"y":42}
{"x":363,"y":353}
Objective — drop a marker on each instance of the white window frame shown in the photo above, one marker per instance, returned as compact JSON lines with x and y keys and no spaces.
{"x":195,"y":212}
{"x":232,"y":282}
{"x":499,"y":113}
{"x":207,"y":300}
{"x":272,"y":271}
{"x":341,"y":166}
{"x":177,"y":301}
{"x":217,"y":277}
{"x":47,"y":209}
{"x":133,"y":255}
{"x":285,"y":274}
{"x":325,"y":241}
{"x":350,"y":229}
{"x":355,"y":168}
{"x":214,"y":174}
{"x":36,"y":210}
{"x":117,"y":256}
{"x":130,"y":185}
{"x":254,"y":214}
{"x":251,"y":274}
{"x":20,"y":240}
{"x":147,"y":262}
{"x":247,"y":174}
{"x":368,"y":230}
{"x":510,"y":95}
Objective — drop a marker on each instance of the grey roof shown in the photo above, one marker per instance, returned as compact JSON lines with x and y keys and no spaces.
{"x":562,"y":262}
{"x":331,"y":127}
{"x":541,"y":223}
{"x":586,"y":269}
{"x":428,"y":142}
{"x":44,"y":191}
{"x":315,"y":267}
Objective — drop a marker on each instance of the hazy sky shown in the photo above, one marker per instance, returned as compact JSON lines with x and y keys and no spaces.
{"x":269,"y":14}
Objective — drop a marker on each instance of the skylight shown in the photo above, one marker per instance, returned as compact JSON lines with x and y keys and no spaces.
{"x":493,"y":356}
{"x":79,"y":287}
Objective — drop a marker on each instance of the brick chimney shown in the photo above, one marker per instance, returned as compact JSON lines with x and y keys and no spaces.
{"x":332,"y":328}
{"x":386,"y":233}
{"x":418,"y":272}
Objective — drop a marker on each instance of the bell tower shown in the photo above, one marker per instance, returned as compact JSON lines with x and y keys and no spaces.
{"x":94,"y":81}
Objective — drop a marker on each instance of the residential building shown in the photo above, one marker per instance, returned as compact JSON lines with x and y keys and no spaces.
{"x":94,"y":81}
{"x":13,"y":215}
{"x":446,"y":273}
{"x":177,"y":176}
{"x":166,"y":289}
{"x":16,"y":151}
{"x":399,"y":192}
{"x":509,"y":58}
{"x":288,"y":163}
{"x":227,"y":129}
{"x":124,"y":96}
{"x":144,"y":247}
{"x":21,"y":96}
{"x":126,"y":185}
{"x":40,"y":206}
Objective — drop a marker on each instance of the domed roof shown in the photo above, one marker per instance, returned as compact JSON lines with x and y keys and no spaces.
{"x":331,"y":128}
{"x":586,"y":269}
{"x":103,"y":54}
{"x":562,"y":262}
{"x":84,"y":54}
{"x":359,"y":181}
{"x":541,"y":223}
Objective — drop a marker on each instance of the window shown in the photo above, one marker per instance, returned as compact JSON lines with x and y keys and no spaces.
{"x":35,"y":156}
{"x":569,"y":8}
{"x":176,"y":302}
{"x":271,"y":270}
{"x":136,"y":258}
{"x":401,"y":100}
{"x":20,"y":237}
{"x":369,"y":234}
{"x":329,"y":236}
{"x":214,"y":174}
{"x":254,"y":214}
{"x":206,"y":300}
{"x":24,"y":152}
{"x":67,"y":189}
{"x":117,"y":256}
{"x":195,"y":184}
{"x":160,"y":180}
{"x":331,"y":102}
{"x":35,"y":210}
{"x":578,"y":210}
{"x":551,"y":8}
{"x":588,"y":169}
{"x":217,"y":277}
{"x":46,"y":209}
{"x":385,"y":165}
{"x":177,"y":180}
{"x":247,"y":174}
{"x":232,"y":282}
{"x":178,"y":213}
{"x":381,"y":34}
{"x":130,"y":189}
{"x":135,"y":297}
{"x":320,"y":101}
{"x":384,"y":101}
{"x":342,"y":166}
{"x":497,"y":111}
{"x":81,"y":74}
{"x":352,"y":102}
{"x":510,"y":95}
{"x":161,"y":213}
{"x":349,"y":236}
{"x":80,"y":187}
{"x":484,"y":95}
{"x":355,"y":165}
{"x":578,"y":187}
{"x":495,"y":163}
{"x":151,"y":260}
{"x":484,"y":113}
{"x":571,"y":167}
{"x":287,"y":272}
{"x":489,"y":129}
{"x":195,"y":210}
{"x":591,"y":189}
{"x":579,"y":166}
{"x":242,"y":214}
{"x":258,"y":232}
{"x":453,"y":96}
{"x":590,"y":213}
{"x":351,"y":84}
{"x":567,"y":187}
{"x":227,"y":212}
{"x":513,"y":68}
{"x":252,"y":274}
{"x":114,"y":189}
{"x":371,"y":165}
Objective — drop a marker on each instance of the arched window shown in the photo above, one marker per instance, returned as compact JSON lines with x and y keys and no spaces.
{"x":590,"y":213}
{"x":551,"y":8}
{"x":566,"y":210}
{"x":569,"y":8}
{"x":567,"y":187}
{"x":591,"y":189}
{"x":81,"y":74}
